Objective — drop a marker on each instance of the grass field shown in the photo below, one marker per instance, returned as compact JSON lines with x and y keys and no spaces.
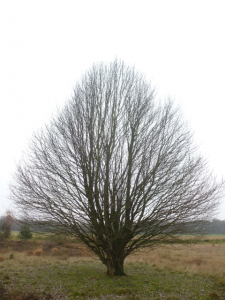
{"x":55,"y":270}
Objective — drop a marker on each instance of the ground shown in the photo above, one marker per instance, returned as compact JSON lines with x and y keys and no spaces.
{"x":36,"y":270}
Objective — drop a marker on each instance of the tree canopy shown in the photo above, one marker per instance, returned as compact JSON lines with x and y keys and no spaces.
{"x":115,"y":168}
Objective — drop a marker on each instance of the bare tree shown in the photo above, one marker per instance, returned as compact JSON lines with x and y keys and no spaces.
{"x":115,"y":169}
{"x":5,"y":225}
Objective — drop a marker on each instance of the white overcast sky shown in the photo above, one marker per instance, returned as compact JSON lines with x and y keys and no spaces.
{"x":46,"y":45}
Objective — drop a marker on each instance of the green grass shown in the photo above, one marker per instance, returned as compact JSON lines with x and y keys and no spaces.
{"x":14,"y":235}
{"x":88,"y":280}
{"x":38,"y":236}
{"x":79,"y":279}
{"x":61,"y":239}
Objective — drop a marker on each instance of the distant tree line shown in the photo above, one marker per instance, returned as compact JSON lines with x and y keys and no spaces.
{"x":8,"y":224}
{"x":214,"y":227}
{"x":14,"y":225}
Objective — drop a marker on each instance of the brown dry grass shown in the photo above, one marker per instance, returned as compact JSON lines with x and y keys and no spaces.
{"x":22,"y":259}
{"x":47,"y":247}
{"x":38,"y":252}
{"x":204,"y":259}
{"x":18,"y":246}
{"x":54,"y":249}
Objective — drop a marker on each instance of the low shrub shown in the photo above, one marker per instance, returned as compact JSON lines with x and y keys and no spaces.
{"x":25,"y":233}
{"x":47,"y":246}
{"x":11,"y":256}
{"x":54,"y":250}
{"x":38,"y":252}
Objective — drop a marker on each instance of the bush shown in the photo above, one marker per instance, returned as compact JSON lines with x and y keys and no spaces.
{"x":5,"y":231}
{"x":38,"y":252}
{"x":5,"y":225}
{"x":25,"y":233}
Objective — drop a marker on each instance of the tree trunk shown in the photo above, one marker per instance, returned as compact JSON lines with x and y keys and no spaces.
{"x":115,"y":267}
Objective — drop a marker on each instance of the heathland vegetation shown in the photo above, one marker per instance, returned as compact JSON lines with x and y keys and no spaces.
{"x":62,"y":268}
